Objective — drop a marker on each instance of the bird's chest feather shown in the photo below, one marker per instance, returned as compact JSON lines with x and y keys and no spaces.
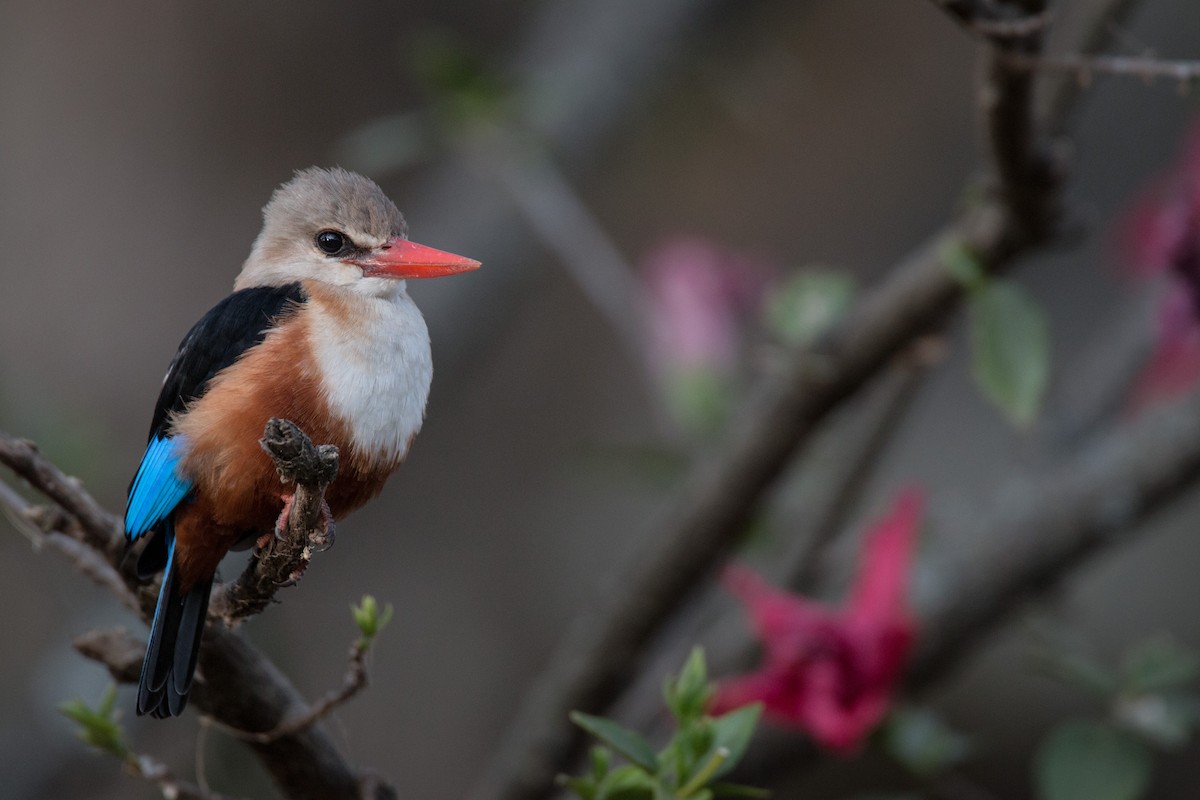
{"x":374,"y":367}
{"x":350,"y":371}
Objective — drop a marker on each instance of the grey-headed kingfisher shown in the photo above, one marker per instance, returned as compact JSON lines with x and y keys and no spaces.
{"x":319,"y":330}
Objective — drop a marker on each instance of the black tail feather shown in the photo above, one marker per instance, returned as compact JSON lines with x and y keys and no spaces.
{"x":174,"y":643}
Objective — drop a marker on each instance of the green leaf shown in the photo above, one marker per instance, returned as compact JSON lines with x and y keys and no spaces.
{"x":1080,"y":671}
{"x":732,"y":732}
{"x":918,"y":739}
{"x":98,"y":727}
{"x":601,"y":761}
{"x":1082,"y":760}
{"x":699,"y":398}
{"x":370,"y":619}
{"x":738,"y":790}
{"x":584,"y":788}
{"x":1159,"y":664}
{"x":808,"y":305}
{"x":964,"y":265}
{"x":687,"y":696}
{"x":626,"y":742}
{"x":1010,"y":349}
{"x":1163,"y":719}
{"x":627,"y":783}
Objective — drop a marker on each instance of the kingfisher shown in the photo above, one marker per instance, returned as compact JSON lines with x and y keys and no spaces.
{"x":319,"y":330}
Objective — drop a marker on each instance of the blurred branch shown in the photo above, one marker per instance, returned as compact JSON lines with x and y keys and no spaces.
{"x":157,"y":773}
{"x":236,"y":685}
{"x":1085,"y":67}
{"x":1040,"y":529}
{"x":802,"y":563}
{"x":560,"y":220}
{"x":98,"y":528}
{"x":854,"y":448}
{"x":711,"y":511}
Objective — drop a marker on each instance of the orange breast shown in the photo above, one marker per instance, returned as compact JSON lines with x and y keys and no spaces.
{"x":237,"y":490}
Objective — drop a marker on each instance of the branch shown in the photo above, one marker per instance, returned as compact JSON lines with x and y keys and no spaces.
{"x":355,"y":681}
{"x":1040,"y":530}
{"x":710,"y":512}
{"x":156,"y":772}
{"x":100,"y":529}
{"x":1085,"y":67}
{"x":236,"y":684}
{"x":282,"y":559}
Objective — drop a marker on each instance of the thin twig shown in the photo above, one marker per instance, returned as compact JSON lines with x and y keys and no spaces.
{"x":355,"y":680}
{"x":156,"y":772}
{"x":1085,"y":67}
{"x":802,"y":563}
{"x":101,"y":529}
{"x":561,"y":221}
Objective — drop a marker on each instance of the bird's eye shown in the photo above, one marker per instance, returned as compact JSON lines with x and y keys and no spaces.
{"x":332,"y":243}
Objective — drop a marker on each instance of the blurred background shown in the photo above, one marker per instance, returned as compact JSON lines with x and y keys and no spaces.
{"x":571,"y":147}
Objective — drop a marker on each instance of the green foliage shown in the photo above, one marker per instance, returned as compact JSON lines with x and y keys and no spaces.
{"x":699,"y":398}
{"x":370,"y":619}
{"x":1159,"y":664}
{"x":1010,"y":342}
{"x":464,"y":89}
{"x":926,"y":746}
{"x":100,"y":726}
{"x":808,"y":305}
{"x":1148,"y":707}
{"x":1083,"y":760}
{"x":703,"y":748}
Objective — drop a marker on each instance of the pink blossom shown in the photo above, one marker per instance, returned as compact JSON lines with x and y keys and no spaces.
{"x":1162,"y":231}
{"x":1162,"y":236}
{"x":1174,"y":366}
{"x":700,"y":295}
{"x":832,"y":671}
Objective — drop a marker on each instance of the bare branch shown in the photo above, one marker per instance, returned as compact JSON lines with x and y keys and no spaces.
{"x":157,"y":773}
{"x":355,"y":681}
{"x":282,"y":559}
{"x":100,"y":529}
{"x":1085,"y":67}
{"x":118,"y":650}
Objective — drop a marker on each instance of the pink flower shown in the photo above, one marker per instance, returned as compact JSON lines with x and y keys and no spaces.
{"x":1162,"y":235}
{"x":1174,"y":366}
{"x":1162,"y":231}
{"x":832,"y":671}
{"x":700,"y":295}
{"x":700,"y":299}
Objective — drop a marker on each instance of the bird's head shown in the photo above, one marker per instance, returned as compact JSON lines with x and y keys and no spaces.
{"x":337,"y":227}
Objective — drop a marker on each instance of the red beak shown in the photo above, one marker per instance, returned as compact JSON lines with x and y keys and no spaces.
{"x":400,"y":258}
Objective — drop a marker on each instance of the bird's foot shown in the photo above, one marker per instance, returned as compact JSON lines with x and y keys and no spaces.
{"x":321,"y":539}
{"x":324,"y":540}
{"x":281,"y":524}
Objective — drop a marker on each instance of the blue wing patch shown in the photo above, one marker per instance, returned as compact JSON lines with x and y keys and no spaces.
{"x":158,"y":487}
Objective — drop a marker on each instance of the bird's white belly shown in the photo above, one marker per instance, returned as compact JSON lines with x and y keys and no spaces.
{"x":375,"y":368}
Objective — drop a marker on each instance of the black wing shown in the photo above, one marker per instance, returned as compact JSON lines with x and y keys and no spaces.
{"x":232,"y":327}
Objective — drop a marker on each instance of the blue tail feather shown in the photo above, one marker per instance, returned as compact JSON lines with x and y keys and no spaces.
{"x":174,"y":643}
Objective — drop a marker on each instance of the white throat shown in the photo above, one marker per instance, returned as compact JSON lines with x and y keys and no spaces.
{"x":373,"y":357}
